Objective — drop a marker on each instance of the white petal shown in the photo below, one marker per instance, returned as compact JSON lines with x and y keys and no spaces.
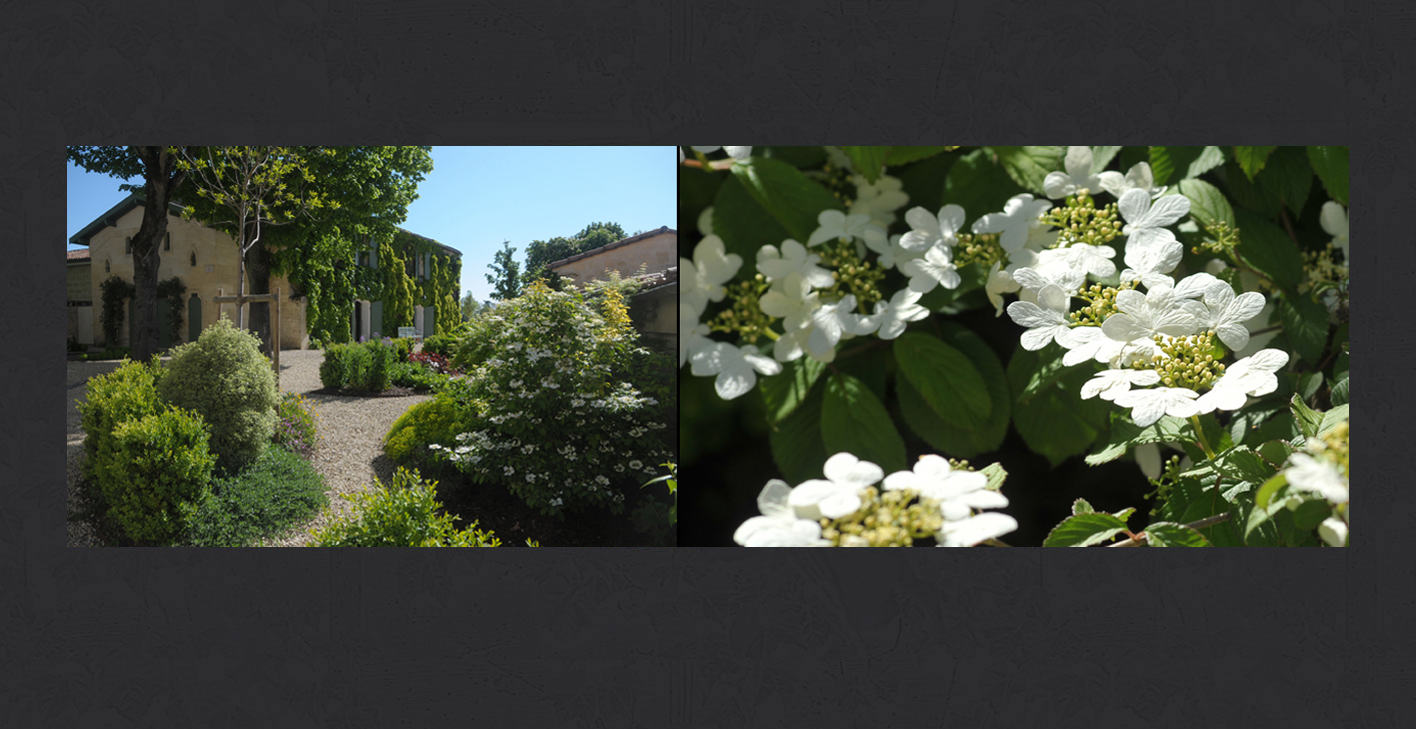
{"x":976,"y":529}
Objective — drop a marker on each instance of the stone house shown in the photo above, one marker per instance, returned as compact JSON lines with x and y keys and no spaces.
{"x":654,"y":309}
{"x":207,"y":262}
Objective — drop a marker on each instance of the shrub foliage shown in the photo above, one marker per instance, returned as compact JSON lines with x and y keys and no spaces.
{"x":402,"y":514}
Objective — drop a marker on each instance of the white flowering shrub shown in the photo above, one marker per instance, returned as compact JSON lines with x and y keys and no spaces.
{"x":560,"y":423}
{"x":1184,"y":298}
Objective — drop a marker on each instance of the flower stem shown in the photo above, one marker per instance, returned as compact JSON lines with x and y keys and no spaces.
{"x":1200,"y":433}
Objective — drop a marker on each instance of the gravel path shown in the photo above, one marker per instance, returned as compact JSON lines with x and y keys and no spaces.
{"x":349,"y":454}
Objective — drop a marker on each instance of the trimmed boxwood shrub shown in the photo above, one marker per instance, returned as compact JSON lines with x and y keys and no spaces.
{"x":433,"y":421}
{"x":159,"y":474}
{"x":335,"y":367}
{"x":360,"y":367}
{"x":403,"y":514}
{"x":127,"y":393}
{"x":224,"y":376}
{"x":279,"y":490}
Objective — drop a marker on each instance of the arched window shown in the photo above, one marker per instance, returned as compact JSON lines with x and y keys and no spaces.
{"x":194,"y":258}
{"x":106,"y":268}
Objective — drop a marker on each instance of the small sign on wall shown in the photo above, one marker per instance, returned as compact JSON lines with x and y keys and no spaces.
{"x":407,"y":332}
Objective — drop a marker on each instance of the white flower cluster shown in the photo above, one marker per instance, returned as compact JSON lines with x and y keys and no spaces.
{"x":791,"y":517}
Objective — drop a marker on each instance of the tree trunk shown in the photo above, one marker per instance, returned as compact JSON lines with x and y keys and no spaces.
{"x":258,"y":269}
{"x":162,"y":178}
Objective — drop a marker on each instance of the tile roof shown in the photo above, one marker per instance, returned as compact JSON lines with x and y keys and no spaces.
{"x":78,"y":255}
{"x":621,"y":242}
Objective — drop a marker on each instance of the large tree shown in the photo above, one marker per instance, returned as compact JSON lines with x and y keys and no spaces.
{"x":504,"y":273}
{"x":162,"y":176}
{"x":541,"y":253}
{"x":373,"y":187}
{"x":470,"y":306}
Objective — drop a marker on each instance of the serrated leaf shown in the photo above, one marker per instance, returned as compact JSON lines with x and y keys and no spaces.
{"x":1309,"y":420}
{"x":1028,"y":166}
{"x":1049,"y":370}
{"x":1310,"y":514}
{"x":1126,"y":435}
{"x":1276,"y":452}
{"x":1339,"y":391}
{"x":1084,"y":530}
{"x":791,"y":197}
{"x":978,"y":185}
{"x":1170,"y":534}
{"x":796,"y":440}
{"x":1306,"y":323}
{"x":1247,"y":194}
{"x":1264,"y":503}
{"x":1288,"y":177}
{"x":944,"y":436}
{"x":1252,"y":159}
{"x":1308,"y":385}
{"x":1331,"y":165}
{"x":799,"y":157}
{"x":1241,"y":463}
{"x":784,"y":392}
{"x":1183,"y":162}
{"x":1268,"y":249}
{"x":1081,"y":506}
{"x":1332,"y":419}
{"x":1056,"y":422}
{"x":905,"y":155}
{"x":854,"y":421}
{"x":744,"y":225}
{"x":868,"y":161}
{"x":996,"y":476}
{"x":1207,"y":203}
{"x":945,"y":377}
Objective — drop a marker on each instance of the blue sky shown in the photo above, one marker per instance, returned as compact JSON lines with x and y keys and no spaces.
{"x":477,"y":197}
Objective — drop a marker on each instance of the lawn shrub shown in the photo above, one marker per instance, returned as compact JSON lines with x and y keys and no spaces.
{"x":402,"y":347}
{"x":127,"y":393}
{"x":432,"y":421}
{"x":334,"y":370}
{"x":556,"y":423}
{"x":440,"y":344}
{"x":224,"y":377}
{"x":381,"y":356}
{"x":356,"y":367}
{"x":278,"y":490}
{"x":160,"y":471}
{"x":414,"y":376}
{"x":402,"y":514}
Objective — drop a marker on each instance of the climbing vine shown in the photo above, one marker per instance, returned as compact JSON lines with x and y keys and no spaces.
{"x":114,"y":292}
{"x":172,"y":289}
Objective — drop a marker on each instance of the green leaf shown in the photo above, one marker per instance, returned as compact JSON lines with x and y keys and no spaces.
{"x":1265,"y":494}
{"x":854,"y":421}
{"x":1056,"y":422}
{"x":1251,"y":159}
{"x":785,"y":391}
{"x":1332,"y":419}
{"x":1268,"y":249}
{"x":1081,"y":506}
{"x":996,"y":475}
{"x":1339,"y":391}
{"x":1245,"y":193}
{"x":1331,"y":165}
{"x":1276,"y":452}
{"x":945,"y":377}
{"x":1288,"y":177}
{"x":1207,"y":203}
{"x":978,"y":185}
{"x":1126,"y":435}
{"x":1050,"y":369}
{"x":799,"y":157}
{"x":1170,"y":534}
{"x":958,"y":441}
{"x":796,"y":440}
{"x":923,"y":181}
{"x":903,"y":155}
{"x":1306,"y":323}
{"x":1310,"y":514}
{"x":1308,"y":385}
{"x":744,"y":225}
{"x":868,"y":161}
{"x":1084,"y":530}
{"x":1185,"y":162}
{"x":791,"y":197}
{"x":1101,"y":157}
{"x":1241,"y":463}
{"x":1309,"y":420}
{"x":1028,"y":166}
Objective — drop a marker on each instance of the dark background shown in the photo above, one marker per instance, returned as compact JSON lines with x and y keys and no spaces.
{"x":699,"y":638}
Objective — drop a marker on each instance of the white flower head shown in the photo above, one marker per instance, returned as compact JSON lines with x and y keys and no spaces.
{"x":792,"y":300}
{"x":956,"y":491}
{"x":737,"y":153}
{"x":1333,"y":531}
{"x":836,"y":225}
{"x":1111,"y":383}
{"x":1307,"y":473}
{"x":1084,"y":343}
{"x":736,"y":368}
{"x":776,"y":264}
{"x":928,"y":229}
{"x":711,"y":267}
{"x":693,"y":336}
{"x":1048,"y":267}
{"x":1078,"y":175}
{"x":1226,"y":312}
{"x":879,"y":199}
{"x":1018,"y":214}
{"x":779,"y":526}
{"x":892,"y":253}
{"x":1095,"y":260}
{"x":1139,"y":177}
{"x":975,"y":529}
{"x":1148,"y":406}
{"x":1045,"y":320}
{"x":1334,"y":221}
{"x":839,"y":494}
{"x":1140,"y":214}
{"x":890,"y":318}
{"x":1157,"y":311}
{"x":828,"y":324}
{"x":936,"y":268}
{"x":1254,"y":375}
{"x":999,"y":282}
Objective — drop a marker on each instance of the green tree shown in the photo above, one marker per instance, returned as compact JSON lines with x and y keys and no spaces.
{"x":504,"y":273}
{"x":250,"y":188}
{"x":540,"y":254}
{"x":470,"y":306}
{"x":162,"y":176}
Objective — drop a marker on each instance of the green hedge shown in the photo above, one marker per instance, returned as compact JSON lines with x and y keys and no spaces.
{"x":160,"y":472}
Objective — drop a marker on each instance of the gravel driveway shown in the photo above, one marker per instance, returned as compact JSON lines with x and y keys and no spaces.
{"x":349,"y":454}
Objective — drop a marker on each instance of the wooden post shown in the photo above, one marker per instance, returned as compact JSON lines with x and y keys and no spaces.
{"x":275,"y":338}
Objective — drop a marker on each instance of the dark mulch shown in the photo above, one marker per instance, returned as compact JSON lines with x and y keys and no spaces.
{"x":513,"y":522}
{"x":394,"y":391}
